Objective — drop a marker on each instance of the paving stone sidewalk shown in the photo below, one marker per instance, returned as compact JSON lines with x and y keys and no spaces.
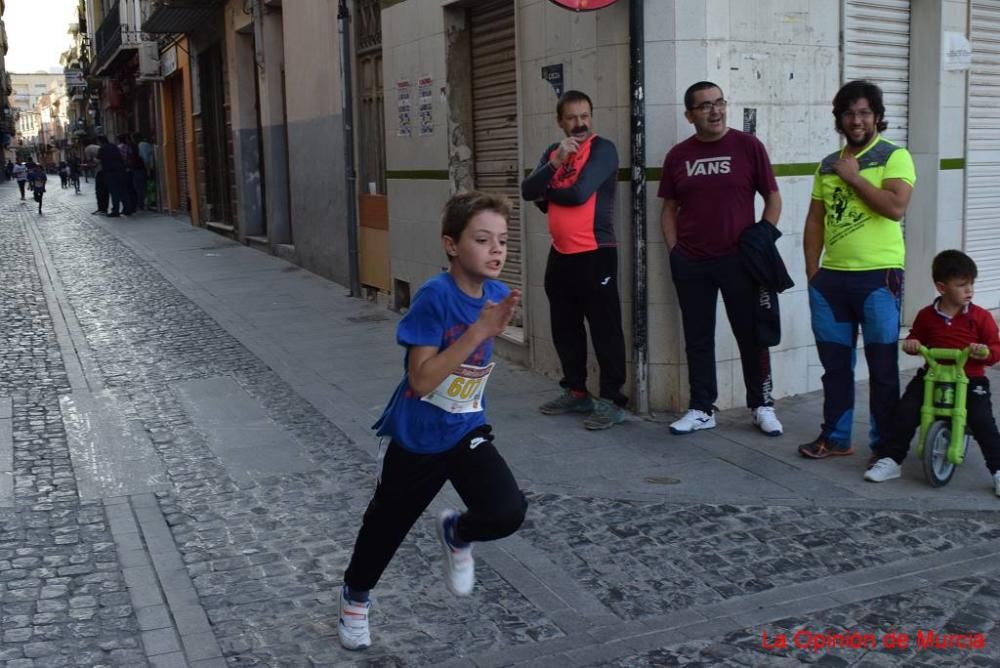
{"x":195,"y":346}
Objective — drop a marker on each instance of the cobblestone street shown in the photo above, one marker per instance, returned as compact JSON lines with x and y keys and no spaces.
{"x":185,"y":458}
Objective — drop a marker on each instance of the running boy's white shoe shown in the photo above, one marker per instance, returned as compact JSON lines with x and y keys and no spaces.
{"x":996,"y":483}
{"x":353,"y":625}
{"x":459,"y":566}
{"x":765,"y":420}
{"x":884,"y":469}
{"x":693,"y":420}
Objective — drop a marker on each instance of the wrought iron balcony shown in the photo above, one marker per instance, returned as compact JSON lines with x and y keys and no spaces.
{"x":108,"y":38}
{"x":113,"y":38}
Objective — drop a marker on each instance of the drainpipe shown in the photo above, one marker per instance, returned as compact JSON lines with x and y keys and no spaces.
{"x":351,"y":177}
{"x":640,"y":320}
{"x":258,"y":34}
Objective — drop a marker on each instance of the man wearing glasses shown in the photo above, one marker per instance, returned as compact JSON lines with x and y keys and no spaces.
{"x":709,"y":185}
{"x":859,"y":195}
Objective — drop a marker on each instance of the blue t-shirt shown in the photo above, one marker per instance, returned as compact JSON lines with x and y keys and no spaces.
{"x":439,"y":314}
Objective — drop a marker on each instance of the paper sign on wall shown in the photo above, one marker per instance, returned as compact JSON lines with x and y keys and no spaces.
{"x":957,"y":51}
{"x":403,"y":107}
{"x":426,"y":102}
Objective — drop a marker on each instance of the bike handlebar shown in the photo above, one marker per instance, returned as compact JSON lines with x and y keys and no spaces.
{"x":935,"y":355}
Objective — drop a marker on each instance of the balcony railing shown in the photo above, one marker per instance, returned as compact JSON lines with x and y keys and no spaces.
{"x":112,"y":38}
{"x":108,"y":37}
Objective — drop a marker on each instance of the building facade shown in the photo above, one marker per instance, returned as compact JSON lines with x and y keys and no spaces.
{"x":250,"y":99}
{"x":7,"y":119}
{"x":470,"y":91}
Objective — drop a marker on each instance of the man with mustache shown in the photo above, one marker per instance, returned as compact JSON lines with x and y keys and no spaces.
{"x":709,"y":184}
{"x":574,"y":184}
{"x":859,"y":195}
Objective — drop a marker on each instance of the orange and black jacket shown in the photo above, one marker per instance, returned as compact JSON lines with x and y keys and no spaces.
{"x":579,"y":197}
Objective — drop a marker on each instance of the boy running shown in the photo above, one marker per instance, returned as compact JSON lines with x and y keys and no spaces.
{"x":435,"y":421}
{"x":38,"y":178}
{"x":952,"y":321}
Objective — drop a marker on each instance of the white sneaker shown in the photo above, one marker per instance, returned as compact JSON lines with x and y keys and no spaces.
{"x":693,"y":420}
{"x":353,"y":625}
{"x":765,"y":420}
{"x":996,"y":482}
{"x":459,"y":566}
{"x":887,"y":469}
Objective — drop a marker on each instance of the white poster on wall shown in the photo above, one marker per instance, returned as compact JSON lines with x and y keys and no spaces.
{"x":957,"y":51}
{"x":426,"y":102}
{"x":403,"y":107}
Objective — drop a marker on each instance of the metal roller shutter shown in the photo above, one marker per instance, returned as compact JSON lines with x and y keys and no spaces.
{"x":877,"y":48}
{"x":494,"y":116}
{"x":982,"y":157}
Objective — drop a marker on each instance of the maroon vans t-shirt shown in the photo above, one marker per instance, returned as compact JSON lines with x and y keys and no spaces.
{"x":714,"y":185}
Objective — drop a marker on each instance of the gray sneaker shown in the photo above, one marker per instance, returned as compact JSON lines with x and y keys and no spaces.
{"x":606,"y":415}
{"x":567,"y":403}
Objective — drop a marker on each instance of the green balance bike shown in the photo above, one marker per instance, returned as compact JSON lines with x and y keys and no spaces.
{"x":943,"y":441}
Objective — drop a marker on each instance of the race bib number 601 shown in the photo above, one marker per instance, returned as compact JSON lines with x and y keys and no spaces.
{"x":462,"y":391}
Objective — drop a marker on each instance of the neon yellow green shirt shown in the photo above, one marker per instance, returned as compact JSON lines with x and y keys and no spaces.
{"x":855,"y":238}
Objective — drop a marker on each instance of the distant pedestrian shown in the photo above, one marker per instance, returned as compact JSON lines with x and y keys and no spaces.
{"x":139,"y":166}
{"x":8,"y":170}
{"x":74,"y":173}
{"x":63,"y":175}
{"x":113,"y":169}
{"x":129,"y":157}
{"x":37,"y":179}
{"x":436,"y":420}
{"x":90,"y":154}
{"x":20,"y":172}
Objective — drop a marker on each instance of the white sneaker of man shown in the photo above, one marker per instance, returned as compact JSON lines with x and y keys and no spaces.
{"x":693,"y":420}
{"x":765,"y":420}
{"x":886,"y":468}
{"x":996,"y":482}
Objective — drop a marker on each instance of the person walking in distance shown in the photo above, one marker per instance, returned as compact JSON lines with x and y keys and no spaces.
{"x":20,"y":173}
{"x":436,"y":420}
{"x":709,"y":185}
{"x":574,"y":185}
{"x":37,"y":178}
{"x":74,"y":173}
{"x":854,"y":257}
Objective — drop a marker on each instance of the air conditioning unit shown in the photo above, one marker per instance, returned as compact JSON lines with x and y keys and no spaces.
{"x":149,"y":61}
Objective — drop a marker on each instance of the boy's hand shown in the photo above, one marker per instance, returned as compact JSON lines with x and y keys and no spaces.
{"x":979,"y":350}
{"x":494,"y":318}
{"x":911,"y":346}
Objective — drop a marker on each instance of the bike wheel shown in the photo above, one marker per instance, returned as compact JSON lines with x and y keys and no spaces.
{"x":937,"y":468}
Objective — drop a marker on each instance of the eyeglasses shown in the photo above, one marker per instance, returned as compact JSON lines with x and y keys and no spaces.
{"x":707,"y":107}
{"x":851,"y":115}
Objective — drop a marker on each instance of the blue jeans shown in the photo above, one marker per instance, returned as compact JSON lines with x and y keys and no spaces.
{"x":840,"y":302}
